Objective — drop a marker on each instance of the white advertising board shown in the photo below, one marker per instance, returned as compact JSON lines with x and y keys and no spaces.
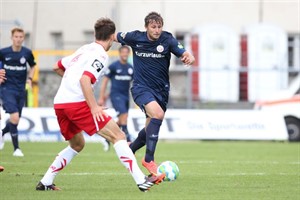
{"x":39,"y":124}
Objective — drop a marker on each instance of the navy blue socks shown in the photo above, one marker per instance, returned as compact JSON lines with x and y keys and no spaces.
{"x":14,"y":135}
{"x":139,"y":142}
{"x":152,"y":131}
{"x":6,"y":128}
{"x":125,"y":130}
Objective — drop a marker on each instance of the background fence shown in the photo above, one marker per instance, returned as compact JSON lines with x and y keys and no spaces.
{"x":185,"y":88}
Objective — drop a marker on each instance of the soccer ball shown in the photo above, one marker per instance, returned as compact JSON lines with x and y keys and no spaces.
{"x":170,"y":169}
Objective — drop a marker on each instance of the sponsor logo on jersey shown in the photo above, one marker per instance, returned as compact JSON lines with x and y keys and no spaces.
{"x":160,"y":48}
{"x":139,"y":45}
{"x":149,"y":55}
{"x":119,"y":71}
{"x":23,"y":60}
{"x":75,"y":59}
{"x":123,"y":77}
{"x":7,"y":58}
{"x":97,"y":65}
{"x":15,"y":68}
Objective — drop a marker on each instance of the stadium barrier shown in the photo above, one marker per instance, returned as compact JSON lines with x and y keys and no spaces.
{"x":40,"y":124}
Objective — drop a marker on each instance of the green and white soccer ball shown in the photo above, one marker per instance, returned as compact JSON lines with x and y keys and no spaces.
{"x":170,"y":169}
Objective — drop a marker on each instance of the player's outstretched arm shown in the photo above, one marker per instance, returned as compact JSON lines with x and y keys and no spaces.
{"x":97,"y":111}
{"x":58,"y":70}
{"x":187,"y":58}
{"x":116,"y":37}
{"x":102,"y":96}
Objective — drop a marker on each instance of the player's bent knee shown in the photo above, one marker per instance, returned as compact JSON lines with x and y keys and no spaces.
{"x":119,"y":136}
{"x":77,"y":142}
{"x":159,"y":115}
{"x":14,"y":118}
{"x":77,"y":147}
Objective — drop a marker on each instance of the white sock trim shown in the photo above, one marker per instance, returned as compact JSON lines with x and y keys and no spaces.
{"x":73,"y":150}
{"x":120,"y":143}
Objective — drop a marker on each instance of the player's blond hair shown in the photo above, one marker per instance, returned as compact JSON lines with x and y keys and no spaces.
{"x":17,"y":29}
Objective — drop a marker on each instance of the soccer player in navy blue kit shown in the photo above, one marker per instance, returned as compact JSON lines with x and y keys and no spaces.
{"x":120,"y":73}
{"x":151,"y":59}
{"x":14,"y":61}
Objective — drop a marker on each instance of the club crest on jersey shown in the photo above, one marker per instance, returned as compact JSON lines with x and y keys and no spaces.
{"x":160,"y":48}
{"x":130,"y":71}
{"x":97,"y":65}
{"x":23,"y":60}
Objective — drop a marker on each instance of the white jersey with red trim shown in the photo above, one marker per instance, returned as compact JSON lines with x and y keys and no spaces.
{"x":90,"y":60}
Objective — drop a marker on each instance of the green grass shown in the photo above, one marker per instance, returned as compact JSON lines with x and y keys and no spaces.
{"x":208,"y":170}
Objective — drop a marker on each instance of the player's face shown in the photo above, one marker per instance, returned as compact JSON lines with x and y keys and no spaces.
{"x":17,"y":39}
{"x":124,"y":54}
{"x":154,"y":30}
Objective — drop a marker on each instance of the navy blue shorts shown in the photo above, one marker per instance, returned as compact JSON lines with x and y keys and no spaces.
{"x":143,"y":95}
{"x":12,"y":100}
{"x":120,"y":103}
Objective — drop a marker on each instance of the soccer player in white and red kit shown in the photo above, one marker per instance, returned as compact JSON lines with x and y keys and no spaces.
{"x":77,"y":110}
{"x":2,"y":79}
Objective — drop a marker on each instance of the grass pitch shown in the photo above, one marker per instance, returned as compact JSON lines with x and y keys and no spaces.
{"x":208,"y":170}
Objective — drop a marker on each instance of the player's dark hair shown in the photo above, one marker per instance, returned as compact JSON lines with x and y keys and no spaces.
{"x":124,"y":47}
{"x":17,"y":29}
{"x":104,"y":28}
{"x":153,"y":16}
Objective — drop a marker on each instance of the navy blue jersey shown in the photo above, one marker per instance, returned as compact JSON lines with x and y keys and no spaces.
{"x":15,"y":65}
{"x":120,"y":76}
{"x":151,"y":59}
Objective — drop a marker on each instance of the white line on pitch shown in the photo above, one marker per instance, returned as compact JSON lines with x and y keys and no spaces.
{"x":184,"y":174}
{"x":236,"y":162}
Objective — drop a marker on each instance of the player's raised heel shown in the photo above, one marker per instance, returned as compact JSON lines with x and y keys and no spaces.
{"x":41,"y":187}
{"x":150,"y":166}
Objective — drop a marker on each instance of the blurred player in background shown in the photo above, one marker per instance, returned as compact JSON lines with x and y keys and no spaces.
{"x":14,"y":60}
{"x":2,"y":79}
{"x":151,"y":59}
{"x":120,"y":73}
{"x":77,"y":110}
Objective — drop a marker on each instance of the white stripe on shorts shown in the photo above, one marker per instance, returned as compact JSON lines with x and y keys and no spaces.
{"x":96,"y":124}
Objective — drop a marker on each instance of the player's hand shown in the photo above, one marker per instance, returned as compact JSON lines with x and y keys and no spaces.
{"x":187,"y":58}
{"x":2,"y":76}
{"x":29,"y":83}
{"x":98,"y":113}
{"x":101,"y":102}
